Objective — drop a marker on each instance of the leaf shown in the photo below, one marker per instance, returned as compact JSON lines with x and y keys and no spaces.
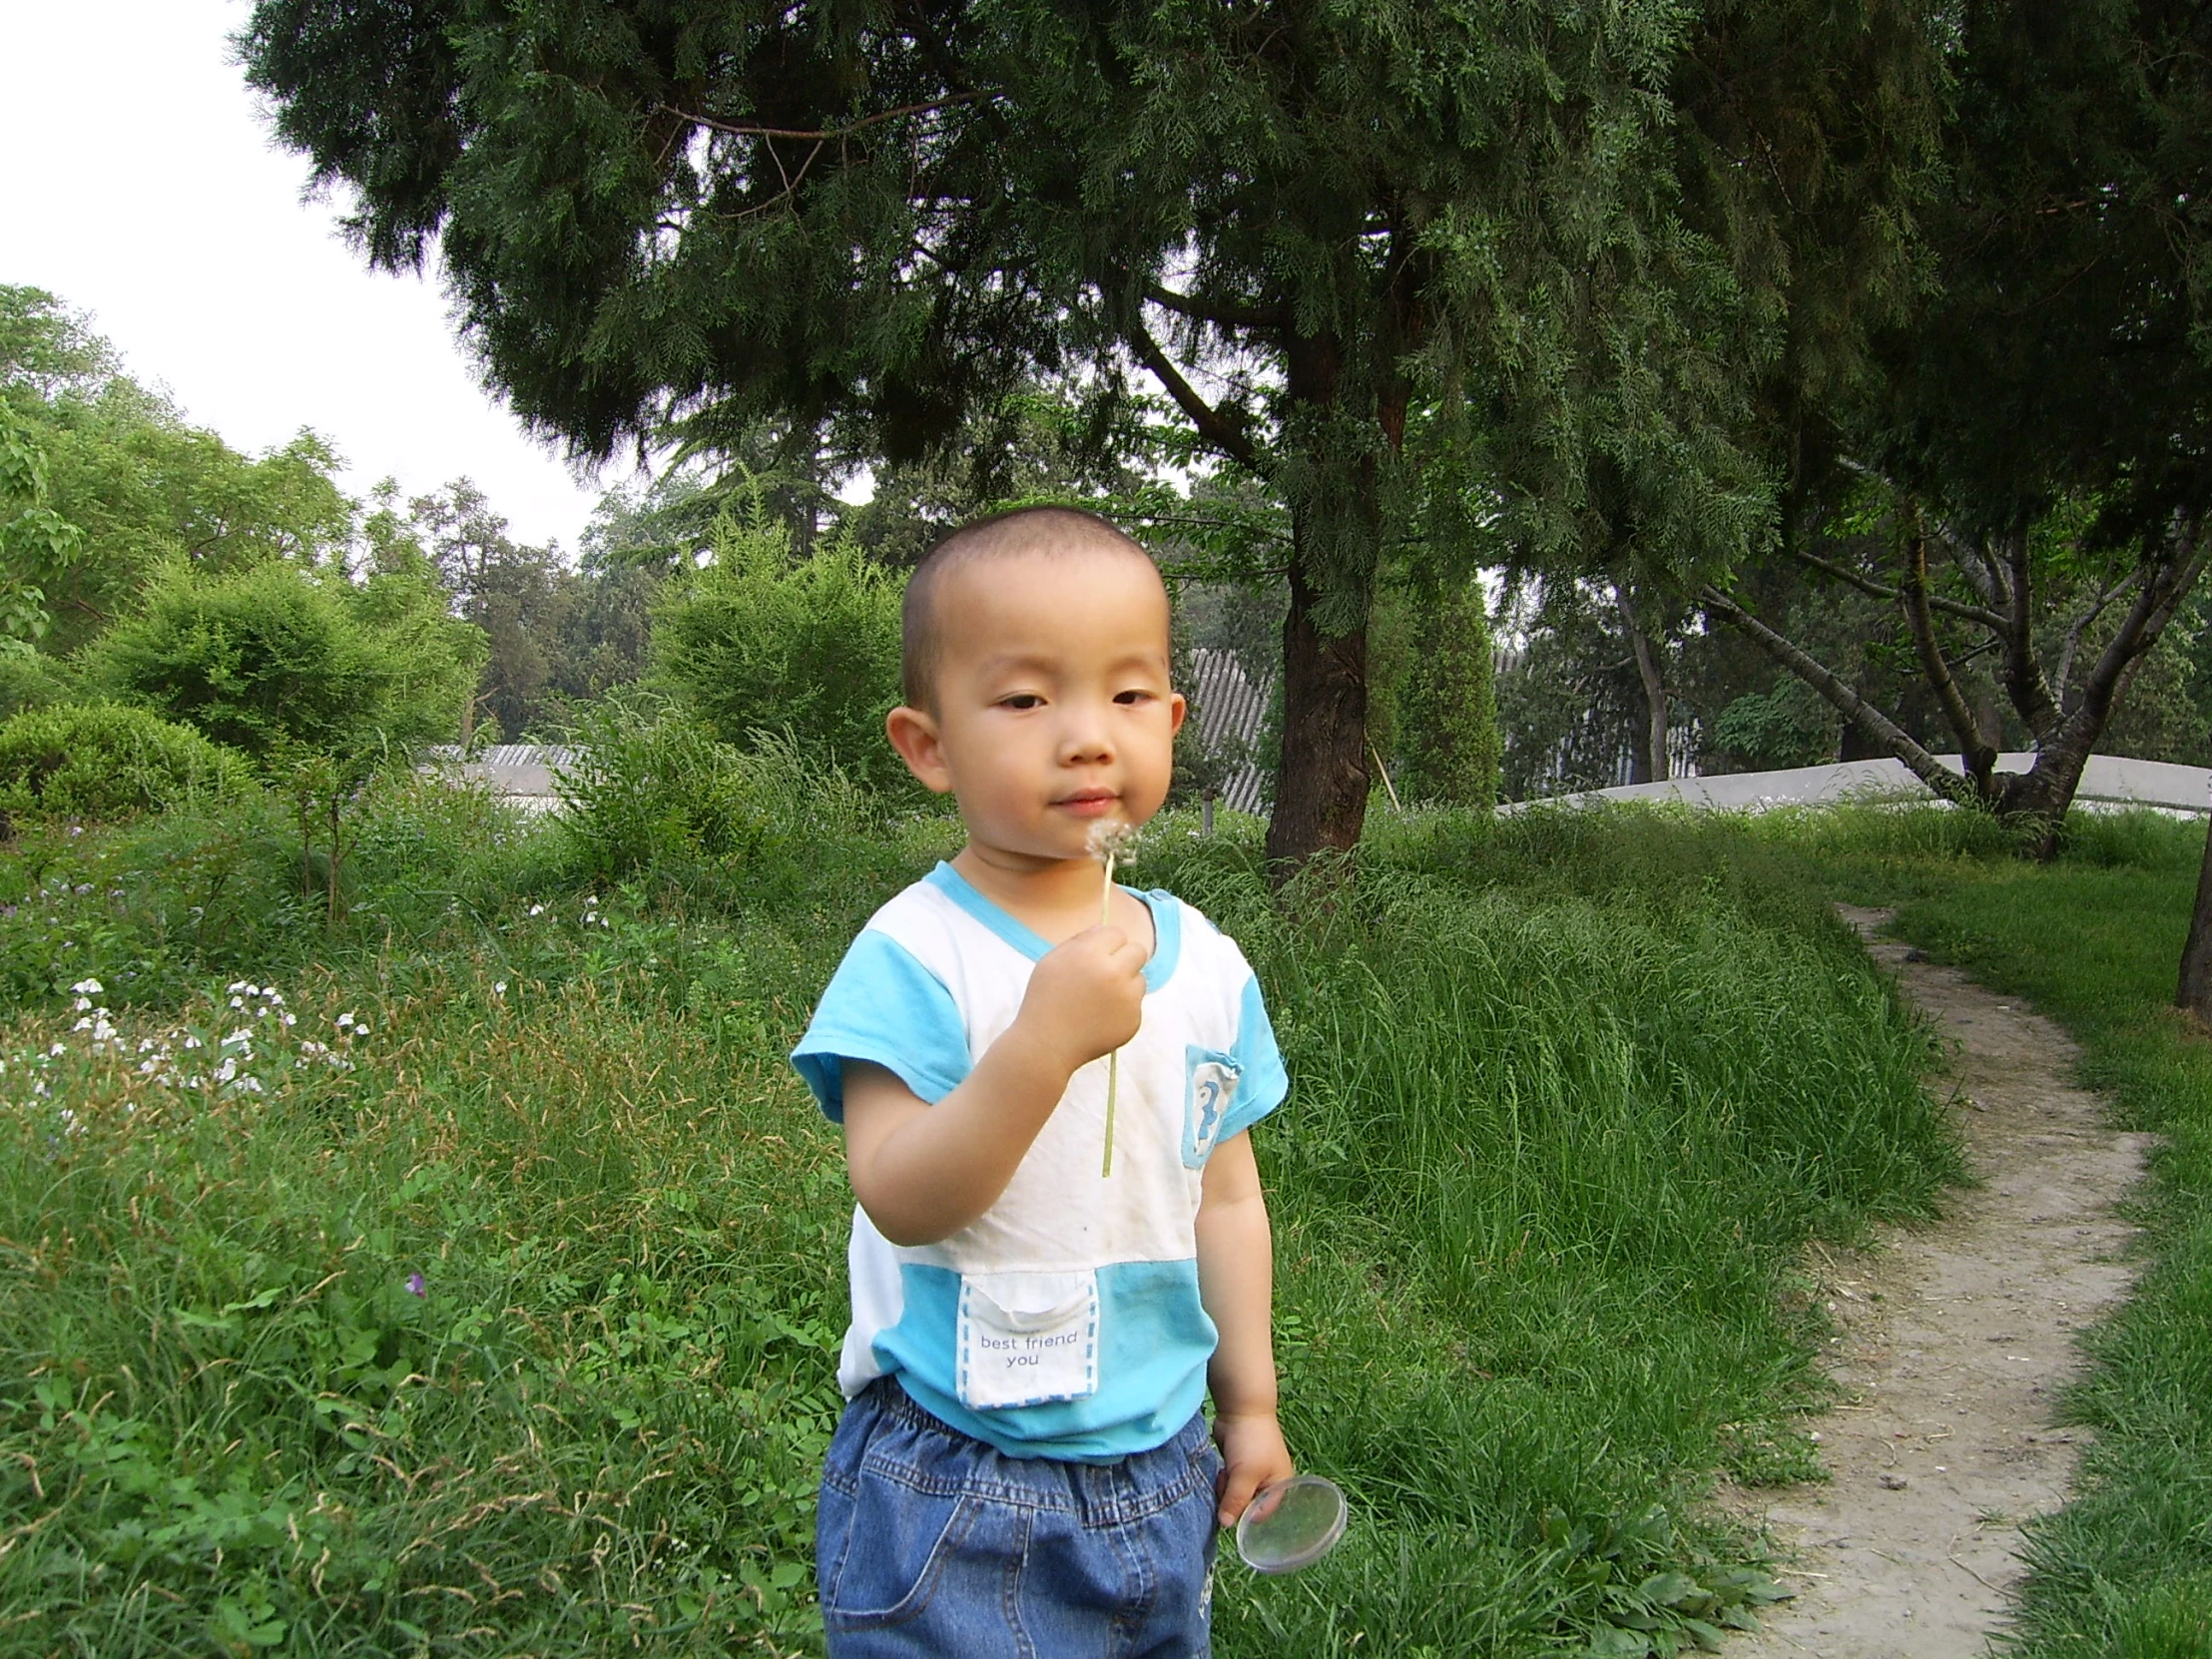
{"x":1612,"y":1643}
{"x":1669,"y":1590}
{"x":1708,"y":1637}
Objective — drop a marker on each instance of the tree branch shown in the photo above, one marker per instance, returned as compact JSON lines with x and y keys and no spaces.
{"x":1224,"y":434}
{"x":1228,"y":314}
{"x":822,"y":135}
{"x":1882,"y":589}
{"x":1978,"y":756}
{"x":2084,"y":622}
{"x":2140,"y":629}
{"x":2022,"y":672}
{"x":1872,"y":721}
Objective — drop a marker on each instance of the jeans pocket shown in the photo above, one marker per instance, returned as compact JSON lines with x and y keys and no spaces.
{"x":896,"y":1546}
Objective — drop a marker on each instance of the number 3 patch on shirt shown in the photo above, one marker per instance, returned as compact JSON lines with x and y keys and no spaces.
{"x":1211,"y":1084}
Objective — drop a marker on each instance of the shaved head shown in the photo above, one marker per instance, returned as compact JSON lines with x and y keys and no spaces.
{"x":1025,"y":531}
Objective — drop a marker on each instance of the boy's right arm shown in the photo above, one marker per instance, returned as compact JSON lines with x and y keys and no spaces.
{"x":925,"y":1172}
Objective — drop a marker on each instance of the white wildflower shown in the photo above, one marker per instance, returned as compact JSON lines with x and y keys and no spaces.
{"x":87,"y":987}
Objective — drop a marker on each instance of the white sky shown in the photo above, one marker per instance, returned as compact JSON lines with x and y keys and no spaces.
{"x":137,"y":182}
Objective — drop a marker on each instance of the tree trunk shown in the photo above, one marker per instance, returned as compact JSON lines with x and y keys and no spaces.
{"x":1321,"y":785}
{"x":1649,"y":765}
{"x":2196,"y":956}
{"x":1320,"y":782}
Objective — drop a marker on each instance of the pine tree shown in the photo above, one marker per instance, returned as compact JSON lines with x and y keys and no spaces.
{"x":1309,"y":226}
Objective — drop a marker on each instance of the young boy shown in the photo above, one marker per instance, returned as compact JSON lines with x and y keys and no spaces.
{"x":1023,"y":1469}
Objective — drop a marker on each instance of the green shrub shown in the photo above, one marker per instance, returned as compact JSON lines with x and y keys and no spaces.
{"x":1788,"y":727}
{"x":103,"y":761}
{"x":28,"y":680}
{"x":1449,"y":744}
{"x":279,"y":659}
{"x":655,"y":790}
{"x":759,"y":642}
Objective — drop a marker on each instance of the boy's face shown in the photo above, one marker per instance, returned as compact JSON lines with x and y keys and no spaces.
{"x":1053,"y":707}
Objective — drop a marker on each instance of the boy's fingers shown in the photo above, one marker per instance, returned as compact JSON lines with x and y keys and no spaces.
{"x":1238,"y":1482}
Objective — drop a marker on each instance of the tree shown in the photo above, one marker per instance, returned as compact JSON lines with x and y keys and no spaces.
{"x":1308,"y":225}
{"x":2195,"y":994}
{"x":2029,"y":476}
{"x":135,"y":484}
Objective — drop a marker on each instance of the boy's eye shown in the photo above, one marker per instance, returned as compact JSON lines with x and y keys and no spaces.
{"x":1021,"y":700}
{"x":1132,"y":697}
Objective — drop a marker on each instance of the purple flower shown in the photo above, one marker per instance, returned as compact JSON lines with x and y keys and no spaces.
{"x":417,"y":1285}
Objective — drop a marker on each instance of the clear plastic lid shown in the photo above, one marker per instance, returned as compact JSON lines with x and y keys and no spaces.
{"x":1291,"y":1524}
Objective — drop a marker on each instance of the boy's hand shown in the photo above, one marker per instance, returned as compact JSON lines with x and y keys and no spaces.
{"x":1086,"y":997}
{"x":1252,"y":1445}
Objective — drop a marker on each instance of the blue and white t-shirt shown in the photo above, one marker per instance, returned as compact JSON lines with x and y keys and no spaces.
{"x":1065,"y":1321}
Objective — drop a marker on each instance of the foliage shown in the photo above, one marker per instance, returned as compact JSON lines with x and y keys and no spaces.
{"x":140,"y":485}
{"x":554,"y":636}
{"x":2022,"y":483}
{"x":1404,"y":277}
{"x":29,"y":680}
{"x":1787,"y":727}
{"x":275,"y":659}
{"x":762,"y":643}
{"x":100,"y":761}
{"x":33,"y":537}
{"x":1443,"y":725}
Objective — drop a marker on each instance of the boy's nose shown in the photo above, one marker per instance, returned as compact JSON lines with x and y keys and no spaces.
{"x":1086,"y":736}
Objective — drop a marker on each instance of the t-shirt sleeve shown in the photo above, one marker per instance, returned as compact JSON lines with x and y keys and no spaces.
{"x":883,"y":1006}
{"x":1263,"y":1083}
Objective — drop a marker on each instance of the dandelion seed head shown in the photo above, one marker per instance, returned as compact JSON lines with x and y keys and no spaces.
{"x":1111,"y":841}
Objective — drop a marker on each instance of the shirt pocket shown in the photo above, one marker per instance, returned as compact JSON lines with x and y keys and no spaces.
{"x":1027,"y":1338}
{"x":1209,"y":1080}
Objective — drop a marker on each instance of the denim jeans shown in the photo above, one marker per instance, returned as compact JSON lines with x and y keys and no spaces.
{"x":931,"y":1544}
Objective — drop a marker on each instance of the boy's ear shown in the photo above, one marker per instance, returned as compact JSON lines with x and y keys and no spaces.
{"x":1178,"y":707}
{"x":914,"y":733}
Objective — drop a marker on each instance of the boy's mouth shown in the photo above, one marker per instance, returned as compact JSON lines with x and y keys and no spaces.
{"x":1089,"y":803}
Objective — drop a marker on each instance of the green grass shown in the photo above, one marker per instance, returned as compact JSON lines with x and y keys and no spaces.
{"x":1569,"y":1097}
{"x":2126,"y":1569}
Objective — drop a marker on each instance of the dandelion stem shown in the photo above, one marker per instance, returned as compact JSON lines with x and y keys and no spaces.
{"x":1113,"y":1060}
{"x":1110,"y":843}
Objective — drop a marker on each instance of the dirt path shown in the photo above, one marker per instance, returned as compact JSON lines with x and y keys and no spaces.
{"x":1956,"y":1339}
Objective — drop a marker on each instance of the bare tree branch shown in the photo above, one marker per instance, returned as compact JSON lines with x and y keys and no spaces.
{"x":2140,"y":629}
{"x":1224,"y":434}
{"x":1229,"y":313}
{"x":1871,"y":720}
{"x":1979,"y":756}
{"x":2085,"y":621}
{"x":820,"y":135}
{"x":1882,"y":589}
